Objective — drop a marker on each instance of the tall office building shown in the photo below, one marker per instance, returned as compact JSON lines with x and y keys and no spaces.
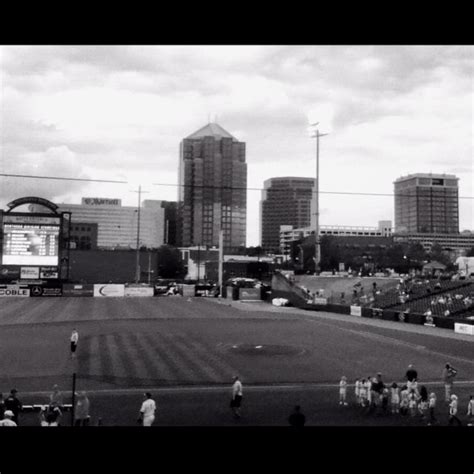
{"x":286,"y":201}
{"x":105,"y":223}
{"x":212,"y":189}
{"x":427,"y":203}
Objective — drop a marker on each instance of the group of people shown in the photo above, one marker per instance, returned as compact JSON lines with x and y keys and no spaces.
{"x":408,"y":399}
{"x":50,"y":414}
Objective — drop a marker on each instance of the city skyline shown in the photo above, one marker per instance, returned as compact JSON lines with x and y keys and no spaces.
{"x":110,"y":112}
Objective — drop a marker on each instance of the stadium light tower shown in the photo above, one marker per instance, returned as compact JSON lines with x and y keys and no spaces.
{"x":137,"y":264}
{"x":317,"y":247}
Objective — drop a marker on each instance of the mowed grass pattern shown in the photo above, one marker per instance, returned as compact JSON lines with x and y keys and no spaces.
{"x":70,"y":309}
{"x":141,"y":359}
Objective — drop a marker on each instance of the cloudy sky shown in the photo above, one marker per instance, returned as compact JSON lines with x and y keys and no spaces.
{"x":120,"y":112}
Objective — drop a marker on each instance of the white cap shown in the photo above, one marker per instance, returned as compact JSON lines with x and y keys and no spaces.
{"x":9,"y":414}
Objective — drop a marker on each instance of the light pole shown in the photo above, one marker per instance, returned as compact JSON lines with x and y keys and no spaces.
{"x":137,"y":264}
{"x":317,"y":248}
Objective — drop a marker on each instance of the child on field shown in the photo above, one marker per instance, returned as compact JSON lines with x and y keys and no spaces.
{"x":423,"y":402}
{"x":404,"y":402}
{"x":385,"y":397}
{"x":432,"y":406}
{"x":363,"y":393}
{"x":357,"y":391}
{"x":453,"y":411}
{"x":368,"y":390}
{"x":412,"y":403}
{"x":343,"y":390}
{"x":395,"y":398}
{"x":470,"y":411}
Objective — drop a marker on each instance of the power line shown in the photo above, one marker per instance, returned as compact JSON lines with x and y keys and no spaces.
{"x":350,"y":193}
{"x":205,"y":186}
{"x":61,"y":178}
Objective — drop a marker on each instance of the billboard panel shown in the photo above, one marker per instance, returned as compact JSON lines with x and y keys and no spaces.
{"x":36,"y":290}
{"x":78,"y":290}
{"x":13,"y":290}
{"x":30,"y":240}
{"x":356,"y":311}
{"x":109,"y":290}
{"x":29,"y":273}
{"x":139,"y":291}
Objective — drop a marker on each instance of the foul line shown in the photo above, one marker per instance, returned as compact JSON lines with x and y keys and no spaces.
{"x":250,"y":388}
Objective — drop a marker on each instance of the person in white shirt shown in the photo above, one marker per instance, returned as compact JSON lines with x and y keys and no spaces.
{"x":470,"y":411}
{"x":363,"y":393}
{"x":453,"y":411}
{"x":237,"y":394}
{"x":357,"y":391}
{"x":7,"y":421}
{"x":432,"y":406}
{"x":147,"y":411}
{"x":74,"y":341}
{"x":343,"y":390}
{"x":395,"y":398}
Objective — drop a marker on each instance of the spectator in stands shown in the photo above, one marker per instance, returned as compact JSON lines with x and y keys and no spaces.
{"x":449,"y":373}
{"x":81,"y":412}
{"x":453,"y":411}
{"x":74,"y":340}
{"x":446,"y":313}
{"x":438,"y":286}
{"x":8,"y":419}
{"x":297,"y":419}
{"x":56,"y":398}
{"x":13,"y":404}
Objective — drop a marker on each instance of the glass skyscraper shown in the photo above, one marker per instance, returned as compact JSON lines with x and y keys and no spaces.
{"x":427,"y":203}
{"x":288,"y":201}
{"x":212,"y":189}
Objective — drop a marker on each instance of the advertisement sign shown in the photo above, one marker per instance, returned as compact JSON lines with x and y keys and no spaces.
{"x":94,"y":201}
{"x":356,"y":311}
{"x":78,"y":290}
{"x":13,"y":290}
{"x":30,"y":240}
{"x":321,"y":301}
{"x":188,"y":290}
{"x":109,"y":290}
{"x":37,"y":290}
{"x":10,"y":272}
{"x":29,"y":273}
{"x":49,"y":273}
{"x":464,"y":328}
{"x":138,"y":291}
{"x":249,"y":294}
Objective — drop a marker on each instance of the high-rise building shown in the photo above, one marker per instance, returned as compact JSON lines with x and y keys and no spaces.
{"x":427,"y":203}
{"x":212,"y":189}
{"x":286,"y":201}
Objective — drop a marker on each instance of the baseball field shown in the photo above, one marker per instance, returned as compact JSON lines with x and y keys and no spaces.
{"x":186,"y":351}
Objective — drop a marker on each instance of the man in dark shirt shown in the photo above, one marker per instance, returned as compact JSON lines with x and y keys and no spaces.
{"x":297,"y":419}
{"x":412,"y":374}
{"x":12,"y":403}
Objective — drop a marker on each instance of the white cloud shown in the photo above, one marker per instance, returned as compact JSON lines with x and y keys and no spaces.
{"x":121,"y":112}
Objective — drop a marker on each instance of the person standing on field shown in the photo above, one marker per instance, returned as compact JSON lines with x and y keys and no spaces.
{"x":237,"y":394}
{"x":74,"y":341}
{"x":147,"y":410}
{"x":449,"y":373}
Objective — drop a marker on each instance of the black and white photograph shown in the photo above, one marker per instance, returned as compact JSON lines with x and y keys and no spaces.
{"x":237,"y":237}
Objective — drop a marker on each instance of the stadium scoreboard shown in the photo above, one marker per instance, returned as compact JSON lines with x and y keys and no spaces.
{"x":30,"y":240}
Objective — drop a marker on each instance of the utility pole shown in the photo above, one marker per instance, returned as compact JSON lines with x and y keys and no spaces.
{"x":221,"y":261}
{"x":137,"y":264}
{"x":149,"y":267}
{"x":317,"y":247}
